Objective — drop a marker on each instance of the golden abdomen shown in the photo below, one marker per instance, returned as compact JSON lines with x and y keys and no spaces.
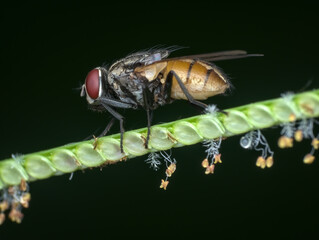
{"x":201,"y":79}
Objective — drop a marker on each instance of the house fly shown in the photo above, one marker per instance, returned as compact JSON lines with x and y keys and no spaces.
{"x":149,"y":79}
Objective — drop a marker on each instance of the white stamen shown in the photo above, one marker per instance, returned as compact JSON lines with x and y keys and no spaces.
{"x":257,"y":141}
{"x":212,"y":147}
{"x":288,"y":129}
{"x":211,"y":109}
{"x":153,"y":160}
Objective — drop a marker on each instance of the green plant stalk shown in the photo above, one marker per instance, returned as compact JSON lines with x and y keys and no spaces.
{"x":183,"y":132}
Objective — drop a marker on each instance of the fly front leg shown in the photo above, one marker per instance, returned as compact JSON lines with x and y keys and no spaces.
{"x":107,"y":103}
{"x":185,"y":91}
{"x":116,"y":103}
{"x":119,"y":117}
{"x":108,"y":127}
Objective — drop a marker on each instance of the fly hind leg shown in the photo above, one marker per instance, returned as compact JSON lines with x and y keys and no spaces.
{"x":185,"y":91}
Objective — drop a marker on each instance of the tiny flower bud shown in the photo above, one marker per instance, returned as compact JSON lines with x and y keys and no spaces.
{"x":298,"y":135}
{"x":315,"y":143}
{"x":292,"y":117}
{"x":281,"y":142}
{"x":308,"y":159}
{"x":210,"y":169}
{"x":217,"y":159}
{"x":261,"y":162}
{"x":168,"y":172}
{"x":15,"y":215}
{"x":205,"y":163}
{"x":269,"y":161}
{"x":25,"y":199}
{"x":285,"y":142}
{"x":172,"y":167}
{"x":23,"y":185}
{"x":164,"y":184}
{"x":4,"y":205}
{"x":2,"y":218}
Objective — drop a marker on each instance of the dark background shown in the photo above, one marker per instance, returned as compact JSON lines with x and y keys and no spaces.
{"x":46,"y":52}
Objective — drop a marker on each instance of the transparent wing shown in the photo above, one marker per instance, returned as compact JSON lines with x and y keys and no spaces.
{"x":217,"y":56}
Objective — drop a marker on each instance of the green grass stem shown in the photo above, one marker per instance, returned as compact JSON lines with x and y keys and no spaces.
{"x":183,"y":132}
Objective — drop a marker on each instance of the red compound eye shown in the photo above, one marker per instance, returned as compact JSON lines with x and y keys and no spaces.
{"x":92,"y":83}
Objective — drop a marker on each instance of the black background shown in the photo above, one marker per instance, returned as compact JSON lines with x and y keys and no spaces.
{"x":46,"y":52}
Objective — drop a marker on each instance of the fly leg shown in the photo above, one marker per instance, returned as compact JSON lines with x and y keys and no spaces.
{"x":108,"y":127}
{"x":147,"y":98}
{"x":149,"y":122}
{"x":116,"y":103}
{"x":107,"y":103}
{"x":185,"y":91}
{"x":119,"y":117}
